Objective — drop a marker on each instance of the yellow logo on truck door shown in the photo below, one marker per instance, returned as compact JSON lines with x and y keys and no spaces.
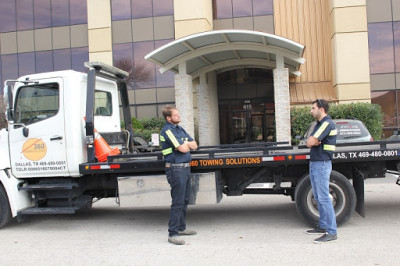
{"x":34,"y":149}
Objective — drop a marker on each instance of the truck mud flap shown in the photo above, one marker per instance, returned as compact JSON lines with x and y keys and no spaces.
{"x":154,"y":190}
{"x":358,"y":184}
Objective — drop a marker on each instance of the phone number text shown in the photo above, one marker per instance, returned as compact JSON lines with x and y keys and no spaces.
{"x":365,"y":154}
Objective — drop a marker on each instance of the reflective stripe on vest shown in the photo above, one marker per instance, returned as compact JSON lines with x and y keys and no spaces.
{"x":321,"y":129}
{"x":328,"y":147}
{"x":172,"y":138}
{"x":167,"y":151}
{"x":333,"y":132}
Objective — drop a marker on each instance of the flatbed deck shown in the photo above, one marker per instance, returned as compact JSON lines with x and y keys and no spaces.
{"x":245,"y":155}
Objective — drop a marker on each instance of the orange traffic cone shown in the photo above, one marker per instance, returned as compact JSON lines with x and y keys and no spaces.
{"x":102,"y":149}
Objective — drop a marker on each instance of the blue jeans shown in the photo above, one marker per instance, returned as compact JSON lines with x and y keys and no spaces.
{"x":178,"y":179}
{"x":320,"y":172}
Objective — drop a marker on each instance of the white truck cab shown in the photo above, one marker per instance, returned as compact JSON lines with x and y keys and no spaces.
{"x":47,"y":130}
{"x":52,"y":120}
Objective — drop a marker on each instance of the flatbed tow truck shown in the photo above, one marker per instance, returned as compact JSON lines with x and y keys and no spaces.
{"x":49,"y":163}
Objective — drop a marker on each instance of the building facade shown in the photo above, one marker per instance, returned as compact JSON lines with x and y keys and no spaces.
{"x":255,"y":58}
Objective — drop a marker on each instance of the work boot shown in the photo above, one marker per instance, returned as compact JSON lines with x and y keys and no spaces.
{"x":176,"y":240}
{"x":316,"y":231}
{"x":325,"y":239}
{"x":187,"y":232}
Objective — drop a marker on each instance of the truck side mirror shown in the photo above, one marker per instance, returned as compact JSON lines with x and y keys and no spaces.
{"x":9,"y":115}
{"x":9,"y":102}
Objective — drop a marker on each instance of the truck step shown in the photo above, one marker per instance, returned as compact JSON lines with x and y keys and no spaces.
{"x":49,"y":210}
{"x":48,"y":187}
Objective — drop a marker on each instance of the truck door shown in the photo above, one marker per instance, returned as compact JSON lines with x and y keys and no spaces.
{"x":37,"y":136}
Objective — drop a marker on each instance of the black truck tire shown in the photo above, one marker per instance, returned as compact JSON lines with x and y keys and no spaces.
{"x":343,"y":198}
{"x":5,"y":211}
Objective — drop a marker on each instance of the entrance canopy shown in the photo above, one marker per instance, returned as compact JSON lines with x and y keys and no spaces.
{"x":226,"y":50}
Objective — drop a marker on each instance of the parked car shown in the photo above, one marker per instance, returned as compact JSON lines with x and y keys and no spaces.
{"x":349,"y":131}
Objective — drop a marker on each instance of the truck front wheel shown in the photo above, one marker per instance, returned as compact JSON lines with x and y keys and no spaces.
{"x":5,"y":211}
{"x":342,"y":194}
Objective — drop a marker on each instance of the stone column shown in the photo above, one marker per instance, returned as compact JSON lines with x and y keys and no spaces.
{"x":282,"y":104}
{"x":184,"y":101}
{"x":213,"y":97}
{"x":207,"y":101}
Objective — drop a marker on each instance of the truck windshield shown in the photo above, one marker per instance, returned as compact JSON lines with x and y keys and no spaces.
{"x":36,"y":102}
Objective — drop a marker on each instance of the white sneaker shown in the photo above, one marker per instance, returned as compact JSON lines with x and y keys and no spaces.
{"x":176,"y":240}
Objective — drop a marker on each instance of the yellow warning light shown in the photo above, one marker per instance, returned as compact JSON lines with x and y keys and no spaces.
{"x":290,"y":157}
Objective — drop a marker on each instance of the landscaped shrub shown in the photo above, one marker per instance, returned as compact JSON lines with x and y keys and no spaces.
{"x":300,"y":119}
{"x":153,"y":123}
{"x":136,"y":124}
{"x":149,"y":126}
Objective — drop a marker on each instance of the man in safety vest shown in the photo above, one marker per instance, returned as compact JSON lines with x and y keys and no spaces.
{"x":322,"y":143}
{"x":176,"y":145}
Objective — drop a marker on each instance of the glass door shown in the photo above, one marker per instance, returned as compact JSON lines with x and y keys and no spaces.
{"x":244,"y":123}
{"x":241,"y":127}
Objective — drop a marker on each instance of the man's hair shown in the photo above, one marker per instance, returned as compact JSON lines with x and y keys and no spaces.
{"x":167,"y":111}
{"x":322,"y":103}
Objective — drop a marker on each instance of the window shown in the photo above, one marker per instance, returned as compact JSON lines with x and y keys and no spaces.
{"x":62,"y":59}
{"x":36,"y":103}
{"x":148,"y":70}
{"x":42,"y":13}
{"x":123,"y":9}
{"x":242,"y":8}
{"x":44,"y":61}
{"x":26,"y":63}
{"x":78,"y":58}
{"x":262,"y":7}
{"x":142,"y":8}
{"x":380,"y":39}
{"x":396,"y":30}
{"x":165,"y":79}
{"x":387,"y":100}
{"x":59,"y":13}
{"x":7,"y":16}
{"x":123,"y":59}
{"x":120,"y":9}
{"x":28,"y":15}
{"x":11,"y":71}
{"x":78,"y":10}
{"x":24,"y":15}
{"x":102,"y":103}
{"x":163,"y":7}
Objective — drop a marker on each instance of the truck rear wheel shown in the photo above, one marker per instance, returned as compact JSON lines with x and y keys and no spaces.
{"x":5,"y":211}
{"x":342,"y":194}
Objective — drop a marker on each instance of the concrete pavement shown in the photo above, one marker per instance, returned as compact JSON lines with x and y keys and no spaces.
{"x":252,"y":229}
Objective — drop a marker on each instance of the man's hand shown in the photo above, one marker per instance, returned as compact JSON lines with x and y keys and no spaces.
{"x":187,"y":146}
{"x":192,"y":145}
{"x":312,"y":141}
